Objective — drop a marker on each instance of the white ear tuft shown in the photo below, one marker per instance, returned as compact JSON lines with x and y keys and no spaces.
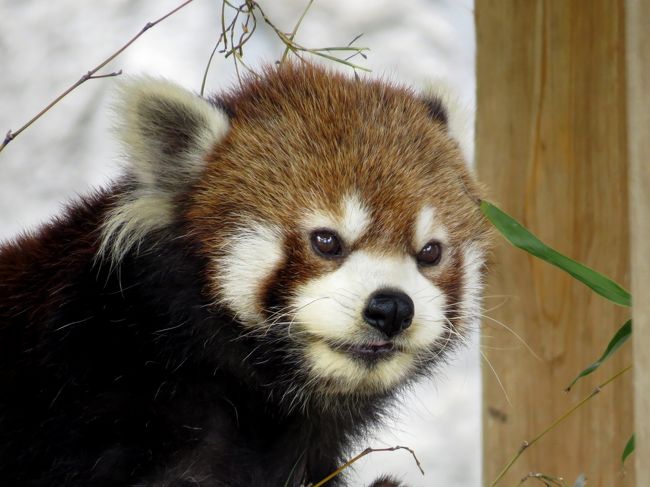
{"x":166,"y":132}
{"x":459,"y":116}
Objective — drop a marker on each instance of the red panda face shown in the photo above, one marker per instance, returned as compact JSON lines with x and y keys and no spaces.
{"x":338,"y":213}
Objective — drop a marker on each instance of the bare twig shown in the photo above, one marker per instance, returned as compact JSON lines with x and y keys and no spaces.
{"x":527,"y":444}
{"x":221,"y":39}
{"x":295,"y":29}
{"x":207,"y":67}
{"x":358,"y":53}
{"x":547,"y":480}
{"x":99,"y":76}
{"x":90,"y":75}
{"x":322,"y":52}
{"x":231,"y":40}
{"x":363,"y":454}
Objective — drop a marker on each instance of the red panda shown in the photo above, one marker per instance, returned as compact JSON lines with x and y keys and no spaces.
{"x":276,"y":264}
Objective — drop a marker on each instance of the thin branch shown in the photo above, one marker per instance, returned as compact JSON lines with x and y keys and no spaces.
{"x":547,"y":480}
{"x":295,"y":29}
{"x":233,"y":41}
{"x":294,"y":46}
{"x":355,"y":39}
{"x":244,"y":37}
{"x":240,"y":59}
{"x":223,"y":36}
{"x":207,"y":66}
{"x":108,"y":75}
{"x":527,"y":444}
{"x":363,"y":454}
{"x":223,"y":24}
{"x":338,"y":48}
{"x":90,"y":75}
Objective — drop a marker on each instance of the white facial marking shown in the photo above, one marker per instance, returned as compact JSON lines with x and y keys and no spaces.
{"x":317,"y":219}
{"x":252,"y":255}
{"x":473,"y":260}
{"x":351,"y":225}
{"x":427,"y":228}
{"x":330,"y":309}
{"x":356,"y":219}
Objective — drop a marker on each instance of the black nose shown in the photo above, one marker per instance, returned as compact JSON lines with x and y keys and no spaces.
{"x":389,"y":311}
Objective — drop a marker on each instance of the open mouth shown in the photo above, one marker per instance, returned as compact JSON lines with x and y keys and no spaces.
{"x":371,"y":351}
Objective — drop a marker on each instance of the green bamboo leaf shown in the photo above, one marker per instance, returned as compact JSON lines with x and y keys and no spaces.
{"x":581,"y":481}
{"x":520,"y":237}
{"x":619,"y":338}
{"x":629,"y":449}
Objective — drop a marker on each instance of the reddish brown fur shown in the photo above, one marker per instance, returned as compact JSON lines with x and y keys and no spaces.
{"x":334,"y":135}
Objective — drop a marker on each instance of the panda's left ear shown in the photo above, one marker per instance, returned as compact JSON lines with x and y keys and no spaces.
{"x":446,"y":108}
{"x":436,"y":109}
{"x":166,"y":131}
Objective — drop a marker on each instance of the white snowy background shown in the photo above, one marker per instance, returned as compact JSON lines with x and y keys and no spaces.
{"x":47,"y":45}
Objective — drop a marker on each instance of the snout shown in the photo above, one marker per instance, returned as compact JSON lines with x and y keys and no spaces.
{"x":389,"y":311}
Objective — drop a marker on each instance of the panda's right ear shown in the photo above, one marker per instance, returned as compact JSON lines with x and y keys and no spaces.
{"x":166,"y":132}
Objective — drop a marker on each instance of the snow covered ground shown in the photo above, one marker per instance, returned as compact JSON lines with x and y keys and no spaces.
{"x":45,"y":46}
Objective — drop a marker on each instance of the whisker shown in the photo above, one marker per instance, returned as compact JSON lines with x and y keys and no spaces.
{"x":514,"y":333}
{"x":496,"y":376}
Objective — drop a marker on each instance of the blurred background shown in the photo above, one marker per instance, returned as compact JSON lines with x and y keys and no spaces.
{"x":46,"y":46}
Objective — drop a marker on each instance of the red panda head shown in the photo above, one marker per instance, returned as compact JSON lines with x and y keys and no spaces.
{"x":337,"y":216}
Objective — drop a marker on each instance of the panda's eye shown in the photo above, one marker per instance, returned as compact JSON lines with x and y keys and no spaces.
{"x":326,"y":243}
{"x":430,"y":254}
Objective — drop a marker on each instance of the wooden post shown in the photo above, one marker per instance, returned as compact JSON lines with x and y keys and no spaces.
{"x":638,"y":60}
{"x":552,"y":149}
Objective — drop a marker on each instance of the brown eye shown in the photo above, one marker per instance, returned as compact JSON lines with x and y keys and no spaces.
{"x":326,"y":243}
{"x":430,"y":254}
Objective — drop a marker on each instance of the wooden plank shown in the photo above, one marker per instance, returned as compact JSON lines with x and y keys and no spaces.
{"x":552,"y":149}
{"x":638,"y":60}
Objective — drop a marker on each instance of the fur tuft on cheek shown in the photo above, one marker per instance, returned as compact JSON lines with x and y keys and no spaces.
{"x":472,"y":287}
{"x":252,"y":255}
